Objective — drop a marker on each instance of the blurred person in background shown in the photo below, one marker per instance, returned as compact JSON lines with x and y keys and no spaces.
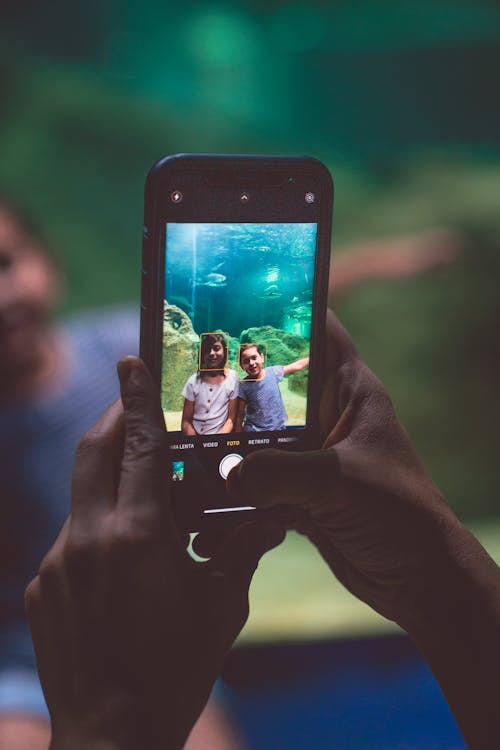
{"x":55,"y":380}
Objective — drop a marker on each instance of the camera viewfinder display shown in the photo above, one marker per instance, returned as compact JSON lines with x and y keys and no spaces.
{"x":237,"y":326}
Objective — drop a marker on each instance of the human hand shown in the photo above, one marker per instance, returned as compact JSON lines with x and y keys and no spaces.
{"x":130,"y":633}
{"x":386,"y":532}
{"x":368,"y":504}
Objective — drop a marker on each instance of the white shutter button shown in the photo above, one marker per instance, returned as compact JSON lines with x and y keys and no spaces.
{"x":228,"y":462}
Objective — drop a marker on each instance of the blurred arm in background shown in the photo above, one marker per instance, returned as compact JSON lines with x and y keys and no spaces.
{"x":393,"y":258}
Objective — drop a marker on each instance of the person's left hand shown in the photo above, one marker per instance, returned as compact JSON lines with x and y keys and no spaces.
{"x":129,"y":632}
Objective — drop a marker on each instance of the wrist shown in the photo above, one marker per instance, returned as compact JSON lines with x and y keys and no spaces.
{"x":78,"y":742}
{"x":142,"y":738}
{"x":123,"y":725}
{"x":455,"y":624}
{"x":459,"y":594}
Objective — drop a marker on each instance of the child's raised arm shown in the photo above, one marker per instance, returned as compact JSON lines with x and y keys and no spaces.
{"x":299,"y":364}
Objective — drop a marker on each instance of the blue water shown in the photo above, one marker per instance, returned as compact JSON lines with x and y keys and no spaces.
{"x":231,"y":277}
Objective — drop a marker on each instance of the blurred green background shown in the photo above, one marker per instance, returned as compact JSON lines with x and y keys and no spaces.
{"x":399,"y":99}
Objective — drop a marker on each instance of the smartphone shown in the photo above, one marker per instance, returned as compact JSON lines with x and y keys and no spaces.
{"x":235,"y":267}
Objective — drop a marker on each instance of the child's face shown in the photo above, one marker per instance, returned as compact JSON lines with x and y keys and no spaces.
{"x":215,"y":357}
{"x":252,"y":362}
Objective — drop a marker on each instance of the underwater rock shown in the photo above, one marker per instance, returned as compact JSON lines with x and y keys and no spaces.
{"x":180,"y":356}
{"x":282,"y":347}
{"x":298,"y":344}
{"x":277,"y":352}
{"x":234,"y":352}
{"x":297,"y":382}
{"x":181,"y":302}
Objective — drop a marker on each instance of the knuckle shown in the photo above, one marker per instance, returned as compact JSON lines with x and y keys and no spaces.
{"x":135,"y":399}
{"x":144,"y":441}
{"x":348,"y":370}
{"x":138,"y":403}
{"x":32,"y":595}
{"x":90,"y":443}
{"x":50,"y":571}
{"x":369,"y":390}
{"x":79,"y":553}
{"x":129,"y":539}
{"x":381,"y":404}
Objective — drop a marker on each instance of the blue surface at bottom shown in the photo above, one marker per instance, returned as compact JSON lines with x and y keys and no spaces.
{"x":371,"y":694}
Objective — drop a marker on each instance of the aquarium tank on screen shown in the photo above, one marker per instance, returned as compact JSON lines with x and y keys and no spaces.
{"x":253,"y":282}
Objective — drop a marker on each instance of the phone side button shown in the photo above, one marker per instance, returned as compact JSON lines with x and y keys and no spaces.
{"x":229,"y":462}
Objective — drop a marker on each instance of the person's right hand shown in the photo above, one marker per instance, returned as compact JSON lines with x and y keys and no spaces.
{"x":386,"y":532}
{"x":370,"y":507}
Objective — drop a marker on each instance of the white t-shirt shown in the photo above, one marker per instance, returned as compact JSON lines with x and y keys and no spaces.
{"x":211,"y":401}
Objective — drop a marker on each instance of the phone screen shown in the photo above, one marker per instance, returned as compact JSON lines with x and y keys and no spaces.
{"x":240,"y":313}
{"x":238,"y":309}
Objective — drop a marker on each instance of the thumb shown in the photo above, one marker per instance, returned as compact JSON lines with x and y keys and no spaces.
{"x":273,"y":477}
{"x":143,"y":491}
{"x":239,"y":556}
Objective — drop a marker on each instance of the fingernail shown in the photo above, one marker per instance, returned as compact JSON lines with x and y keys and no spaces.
{"x":124,"y":368}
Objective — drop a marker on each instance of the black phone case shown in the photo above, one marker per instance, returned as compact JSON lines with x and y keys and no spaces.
{"x":221,"y":171}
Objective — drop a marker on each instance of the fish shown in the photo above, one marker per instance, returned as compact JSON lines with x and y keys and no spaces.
{"x":214,"y":279}
{"x":270,"y":292}
{"x":270,"y":295}
{"x":299,"y":312}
